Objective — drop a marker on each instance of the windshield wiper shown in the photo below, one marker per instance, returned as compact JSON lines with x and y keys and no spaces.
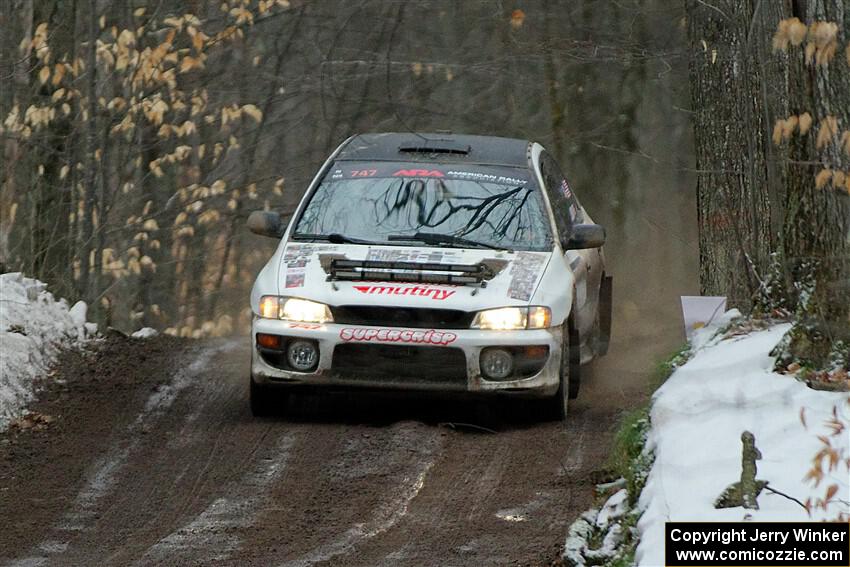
{"x":334,"y":238}
{"x":435,"y":238}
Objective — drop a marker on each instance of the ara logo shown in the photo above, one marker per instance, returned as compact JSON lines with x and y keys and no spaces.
{"x":418,"y":173}
{"x":436,"y":293}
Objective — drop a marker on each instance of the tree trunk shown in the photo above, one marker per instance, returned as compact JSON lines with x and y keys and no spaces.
{"x":90,"y":175}
{"x":731,"y":135}
{"x":815,"y":236}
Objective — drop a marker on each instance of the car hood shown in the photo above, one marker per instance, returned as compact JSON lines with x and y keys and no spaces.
{"x":305,"y":270}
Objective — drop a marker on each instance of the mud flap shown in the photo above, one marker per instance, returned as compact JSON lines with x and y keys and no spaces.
{"x":606,"y":296}
{"x":575,"y":361}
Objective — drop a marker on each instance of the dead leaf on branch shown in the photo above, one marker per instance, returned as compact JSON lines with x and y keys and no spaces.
{"x":845,"y":141}
{"x":827,"y":130}
{"x":830,"y":492}
{"x":778,"y":128}
{"x":789,"y":31}
{"x":822,"y":178}
{"x":805,"y":121}
{"x":517,"y":19}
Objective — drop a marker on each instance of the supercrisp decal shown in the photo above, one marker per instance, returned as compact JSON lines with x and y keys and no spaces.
{"x":407,"y":336}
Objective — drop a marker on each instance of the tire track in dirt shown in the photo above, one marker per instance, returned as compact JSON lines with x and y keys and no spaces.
{"x":392,"y":507}
{"x":204,"y":451}
{"x":207,"y":537}
{"x":104,"y":474}
{"x":354,"y":481}
{"x":457,"y":518}
{"x":491,"y":499}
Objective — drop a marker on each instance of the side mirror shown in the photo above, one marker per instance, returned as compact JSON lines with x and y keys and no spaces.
{"x":265,"y":223}
{"x":585,"y":236}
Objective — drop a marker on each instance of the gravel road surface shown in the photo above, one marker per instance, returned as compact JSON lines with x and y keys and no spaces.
{"x":152,"y":458}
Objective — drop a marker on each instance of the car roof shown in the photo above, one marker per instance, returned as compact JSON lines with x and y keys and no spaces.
{"x":436,"y":147}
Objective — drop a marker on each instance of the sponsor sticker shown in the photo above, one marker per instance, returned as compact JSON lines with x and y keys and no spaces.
{"x":295,"y":278}
{"x":525,"y":271}
{"x":296,"y":259}
{"x":406,"y":336}
{"x":418,"y":173}
{"x":309,"y":326}
{"x":502,"y":175}
{"x":404,"y":254}
{"x":435,"y":293}
{"x":487,"y":177}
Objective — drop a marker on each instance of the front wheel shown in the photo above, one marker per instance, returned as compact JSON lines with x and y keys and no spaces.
{"x":568,"y":375}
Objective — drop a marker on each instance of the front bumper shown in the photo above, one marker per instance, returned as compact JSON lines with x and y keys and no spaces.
{"x":470,"y":341}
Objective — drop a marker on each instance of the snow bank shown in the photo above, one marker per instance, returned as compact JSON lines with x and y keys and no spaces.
{"x":33,"y":329}
{"x":697,"y":418}
{"x":597,"y":537}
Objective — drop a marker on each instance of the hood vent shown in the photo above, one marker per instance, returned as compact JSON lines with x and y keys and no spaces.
{"x":412,"y":272}
{"x":432,"y":147}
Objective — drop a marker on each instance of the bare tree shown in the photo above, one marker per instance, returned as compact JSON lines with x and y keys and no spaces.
{"x":732,"y":137}
{"x":772,"y":133}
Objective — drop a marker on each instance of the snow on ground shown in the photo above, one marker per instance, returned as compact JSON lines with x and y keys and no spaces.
{"x":145,"y":333}
{"x":33,"y":328}
{"x":697,"y":418}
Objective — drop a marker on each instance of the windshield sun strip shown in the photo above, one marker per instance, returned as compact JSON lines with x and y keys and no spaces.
{"x":519,"y":230}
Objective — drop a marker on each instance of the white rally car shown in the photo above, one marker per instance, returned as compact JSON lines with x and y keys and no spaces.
{"x":431,"y":262}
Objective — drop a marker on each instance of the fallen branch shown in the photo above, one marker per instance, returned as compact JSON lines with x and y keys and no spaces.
{"x":786,"y":496}
{"x":455,"y":425}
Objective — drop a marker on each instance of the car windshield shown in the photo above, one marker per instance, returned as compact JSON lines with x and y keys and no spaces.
{"x":460,"y":207}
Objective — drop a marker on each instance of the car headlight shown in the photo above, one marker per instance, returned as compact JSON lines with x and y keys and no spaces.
{"x":270,"y":307}
{"x":513,"y":318}
{"x":294,"y":309}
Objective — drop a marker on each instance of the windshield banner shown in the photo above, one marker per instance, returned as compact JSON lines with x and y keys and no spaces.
{"x":512,"y":176}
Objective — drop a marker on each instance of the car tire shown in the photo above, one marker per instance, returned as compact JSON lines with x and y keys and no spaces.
{"x":263,"y":400}
{"x":558,"y":405}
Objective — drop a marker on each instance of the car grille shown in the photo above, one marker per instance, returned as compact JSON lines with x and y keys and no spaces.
{"x":415,"y":272}
{"x":410,"y":318}
{"x":424,"y":365}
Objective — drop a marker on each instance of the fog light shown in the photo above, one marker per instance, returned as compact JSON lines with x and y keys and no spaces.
{"x":302,"y":355}
{"x":496,"y":363}
{"x":536,"y":351}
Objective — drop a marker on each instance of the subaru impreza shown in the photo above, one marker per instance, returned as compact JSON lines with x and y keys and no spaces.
{"x":431,"y":263}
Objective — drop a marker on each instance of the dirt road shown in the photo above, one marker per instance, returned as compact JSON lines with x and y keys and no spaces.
{"x":154,"y":459}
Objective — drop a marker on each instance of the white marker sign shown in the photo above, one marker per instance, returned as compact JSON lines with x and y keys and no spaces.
{"x":699,"y":311}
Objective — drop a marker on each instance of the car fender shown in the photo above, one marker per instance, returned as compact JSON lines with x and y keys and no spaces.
{"x":556,"y":289}
{"x":266,"y":282}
